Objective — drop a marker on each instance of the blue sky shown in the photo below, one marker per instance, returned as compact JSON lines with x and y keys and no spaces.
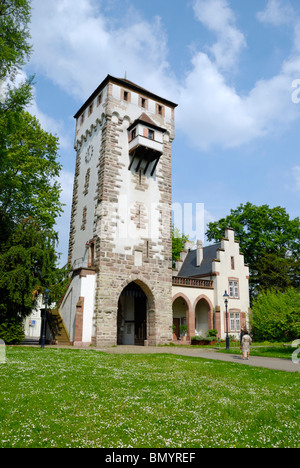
{"x":229,"y":64}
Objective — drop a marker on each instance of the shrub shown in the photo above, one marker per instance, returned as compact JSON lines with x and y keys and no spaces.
{"x":275,"y":316}
{"x":12,"y":331}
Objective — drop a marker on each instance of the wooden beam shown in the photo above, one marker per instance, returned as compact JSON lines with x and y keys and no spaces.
{"x":132,"y":160}
{"x":155,"y":166}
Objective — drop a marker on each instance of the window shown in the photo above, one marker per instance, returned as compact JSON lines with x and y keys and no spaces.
{"x":143,"y":102}
{"x":235,"y":322}
{"x":232,"y":263}
{"x":234,"y":289}
{"x":91,"y":108}
{"x":151,"y":134}
{"x":84,"y":216}
{"x":87,"y":182}
{"x":125,"y":95}
{"x":132,"y":134}
{"x":160,"y":110}
{"x":82,"y":119}
{"x":99,"y":99}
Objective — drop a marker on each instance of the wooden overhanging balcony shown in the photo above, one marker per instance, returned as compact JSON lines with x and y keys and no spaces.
{"x":145,"y":144}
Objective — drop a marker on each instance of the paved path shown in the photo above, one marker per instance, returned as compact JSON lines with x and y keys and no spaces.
{"x":255,"y":361}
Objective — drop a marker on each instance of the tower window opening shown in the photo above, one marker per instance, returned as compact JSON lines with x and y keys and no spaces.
{"x":99,"y":99}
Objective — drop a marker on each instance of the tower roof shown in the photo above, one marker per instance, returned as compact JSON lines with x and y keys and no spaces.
{"x":145,"y":119}
{"x":126,"y":84}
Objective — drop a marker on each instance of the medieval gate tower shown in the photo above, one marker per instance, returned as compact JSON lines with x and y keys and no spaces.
{"x":120,"y":246}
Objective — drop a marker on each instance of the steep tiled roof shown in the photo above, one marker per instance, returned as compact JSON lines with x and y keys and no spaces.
{"x":128,"y":84}
{"x":189,"y":267}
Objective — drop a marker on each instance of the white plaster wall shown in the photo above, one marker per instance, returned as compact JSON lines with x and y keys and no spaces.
{"x":126,"y":234}
{"x":68,"y":307}
{"x":88,"y":292}
{"x":221,"y":282}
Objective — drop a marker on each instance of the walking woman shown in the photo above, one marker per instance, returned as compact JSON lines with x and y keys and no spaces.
{"x":246,"y":343}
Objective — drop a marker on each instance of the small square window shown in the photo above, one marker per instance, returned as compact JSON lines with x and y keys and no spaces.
{"x":125,"y":95}
{"x":160,"y":110}
{"x":151,"y":134}
{"x":132,"y":134}
{"x":99,"y":99}
{"x":144,"y":103}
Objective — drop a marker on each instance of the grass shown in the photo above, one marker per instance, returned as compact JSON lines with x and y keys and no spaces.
{"x":84,"y":398}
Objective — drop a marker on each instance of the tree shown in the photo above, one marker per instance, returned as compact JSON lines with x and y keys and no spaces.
{"x":15,"y":50}
{"x":29,"y":191}
{"x":28,"y":174}
{"x":275,"y":316}
{"x":178,"y":240}
{"x":270,"y":241}
{"x":27,"y":266}
{"x":14,"y":36}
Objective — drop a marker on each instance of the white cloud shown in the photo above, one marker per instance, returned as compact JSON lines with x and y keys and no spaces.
{"x":277,"y":12}
{"x":212,"y":111}
{"x":220,"y":19}
{"x":76,"y":47}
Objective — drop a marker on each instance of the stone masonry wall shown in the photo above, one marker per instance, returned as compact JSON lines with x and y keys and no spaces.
{"x":115,"y":270}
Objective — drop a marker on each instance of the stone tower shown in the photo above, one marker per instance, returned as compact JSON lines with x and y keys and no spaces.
{"x":120,"y":246}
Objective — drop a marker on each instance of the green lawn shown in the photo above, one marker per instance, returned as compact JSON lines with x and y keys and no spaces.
{"x":84,"y":398}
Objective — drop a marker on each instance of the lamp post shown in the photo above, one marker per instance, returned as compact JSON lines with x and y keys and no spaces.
{"x":43,"y":341}
{"x":226,"y":296}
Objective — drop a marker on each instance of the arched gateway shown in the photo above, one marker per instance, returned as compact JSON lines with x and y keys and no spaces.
{"x":132,"y":316}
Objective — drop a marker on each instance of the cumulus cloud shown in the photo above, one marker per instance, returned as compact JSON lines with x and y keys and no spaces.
{"x":77,"y":47}
{"x":220,"y":19}
{"x":213,"y":112}
{"x":277,"y":12}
